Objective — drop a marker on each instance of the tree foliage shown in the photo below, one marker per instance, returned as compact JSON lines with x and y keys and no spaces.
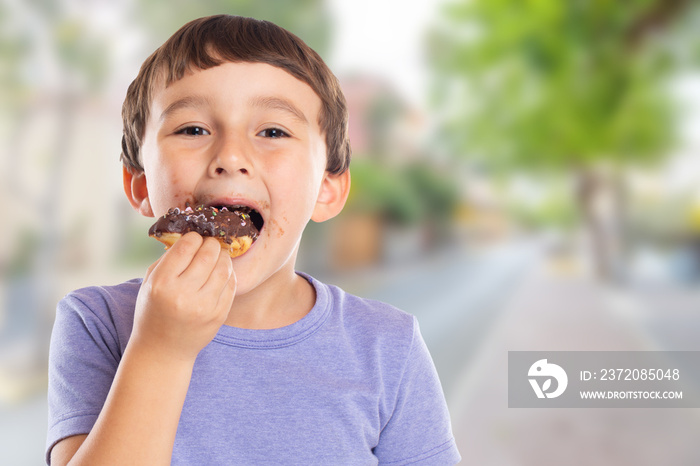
{"x":558,"y":85}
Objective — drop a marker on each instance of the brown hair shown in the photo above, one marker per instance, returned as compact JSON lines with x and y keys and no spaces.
{"x":210,"y":41}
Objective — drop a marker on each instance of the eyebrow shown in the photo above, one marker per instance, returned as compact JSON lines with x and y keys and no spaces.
{"x":278,"y":103}
{"x":263,"y":102}
{"x":190,"y":101}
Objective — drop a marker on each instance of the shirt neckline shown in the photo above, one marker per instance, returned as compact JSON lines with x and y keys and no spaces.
{"x":282,"y":336}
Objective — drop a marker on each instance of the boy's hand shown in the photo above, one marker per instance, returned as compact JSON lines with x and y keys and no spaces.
{"x":185,"y":297}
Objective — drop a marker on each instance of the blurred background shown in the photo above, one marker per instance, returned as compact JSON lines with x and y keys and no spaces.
{"x":525,"y":177}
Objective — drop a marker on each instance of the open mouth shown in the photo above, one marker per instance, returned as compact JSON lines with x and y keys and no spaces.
{"x":246,"y":213}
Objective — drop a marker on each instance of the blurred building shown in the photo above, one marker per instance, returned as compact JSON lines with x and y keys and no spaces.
{"x":386,"y":219}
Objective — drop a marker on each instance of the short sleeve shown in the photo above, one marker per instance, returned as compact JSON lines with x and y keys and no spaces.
{"x":419,"y":429}
{"x":83,"y":359}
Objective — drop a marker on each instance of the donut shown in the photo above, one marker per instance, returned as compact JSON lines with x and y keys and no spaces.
{"x":235,"y":227}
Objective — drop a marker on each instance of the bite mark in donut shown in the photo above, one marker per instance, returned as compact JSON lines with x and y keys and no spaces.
{"x":235,"y":227}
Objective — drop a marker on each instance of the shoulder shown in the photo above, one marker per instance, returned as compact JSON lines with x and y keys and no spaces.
{"x":386,"y":341}
{"x":364,"y":311}
{"x":107,"y":311}
{"x":96,"y":296}
{"x":370,"y":324}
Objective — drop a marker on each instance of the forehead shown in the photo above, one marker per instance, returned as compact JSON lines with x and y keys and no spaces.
{"x":238,"y":83}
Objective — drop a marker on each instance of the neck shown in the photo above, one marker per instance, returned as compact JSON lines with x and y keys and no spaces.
{"x":279,"y":301}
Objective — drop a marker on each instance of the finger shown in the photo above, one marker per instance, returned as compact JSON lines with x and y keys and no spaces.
{"x":203,"y":263}
{"x":220,"y":275}
{"x":178,"y":258}
{"x":151,"y":268}
{"x":220,"y":288}
{"x":228,"y":293}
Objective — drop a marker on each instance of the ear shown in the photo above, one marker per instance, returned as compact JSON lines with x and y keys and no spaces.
{"x":332,"y":196}
{"x":136,"y":191}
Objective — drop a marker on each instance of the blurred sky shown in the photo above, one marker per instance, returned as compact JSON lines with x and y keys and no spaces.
{"x":384,"y":38}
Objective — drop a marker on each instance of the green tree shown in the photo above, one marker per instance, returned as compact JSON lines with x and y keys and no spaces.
{"x":562,"y":87}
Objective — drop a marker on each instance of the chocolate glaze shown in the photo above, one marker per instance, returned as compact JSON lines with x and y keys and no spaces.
{"x":207,"y":221}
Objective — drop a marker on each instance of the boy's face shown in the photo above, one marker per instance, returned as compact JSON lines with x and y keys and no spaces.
{"x":240,"y":134}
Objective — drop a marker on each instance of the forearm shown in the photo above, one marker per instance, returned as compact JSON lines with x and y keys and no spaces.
{"x":139,"y":420}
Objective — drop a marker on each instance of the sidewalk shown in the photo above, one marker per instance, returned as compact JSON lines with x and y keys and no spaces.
{"x":556,"y":312}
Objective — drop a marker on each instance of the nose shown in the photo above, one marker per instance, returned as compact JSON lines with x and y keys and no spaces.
{"x":231,"y":157}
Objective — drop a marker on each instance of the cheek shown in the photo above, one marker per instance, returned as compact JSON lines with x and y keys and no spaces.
{"x":170,"y":178}
{"x":168,"y":189}
{"x":294,"y":197}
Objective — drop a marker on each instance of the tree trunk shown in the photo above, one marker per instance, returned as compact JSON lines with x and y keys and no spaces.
{"x":599,"y":203}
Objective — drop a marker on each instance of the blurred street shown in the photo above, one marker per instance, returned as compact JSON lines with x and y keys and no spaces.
{"x":558,"y":309}
{"x":23,"y":431}
{"x":474,"y":308}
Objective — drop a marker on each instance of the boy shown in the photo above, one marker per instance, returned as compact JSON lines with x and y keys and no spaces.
{"x":213,"y":360}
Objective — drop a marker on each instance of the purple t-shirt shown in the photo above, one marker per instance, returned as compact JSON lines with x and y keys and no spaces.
{"x":350,"y":383}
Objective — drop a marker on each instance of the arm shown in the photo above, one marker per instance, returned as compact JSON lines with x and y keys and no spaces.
{"x":184,"y":299}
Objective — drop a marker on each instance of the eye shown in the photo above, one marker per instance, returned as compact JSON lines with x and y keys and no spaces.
{"x":193,"y":131}
{"x":274,"y":133}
